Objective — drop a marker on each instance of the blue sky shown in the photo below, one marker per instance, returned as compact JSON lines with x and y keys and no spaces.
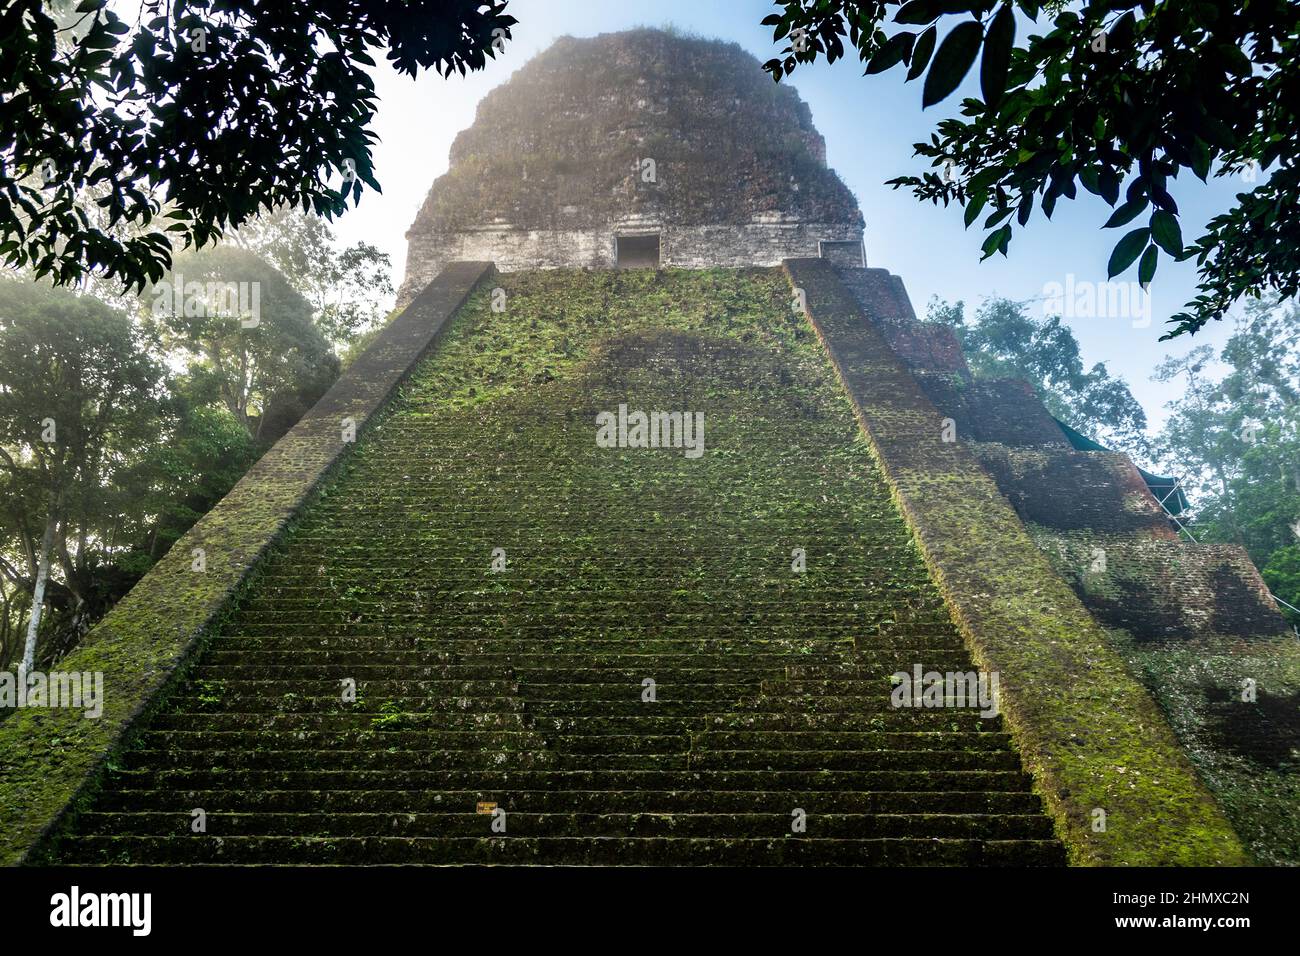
{"x":870,"y":124}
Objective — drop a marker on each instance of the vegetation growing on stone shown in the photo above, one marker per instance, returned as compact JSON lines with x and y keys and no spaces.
{"x":1089,"y":731}
{"x":48,"y":755}
{"x":542,"y":153}
{"x":1240,"y":735}
{"x":524,"y":687}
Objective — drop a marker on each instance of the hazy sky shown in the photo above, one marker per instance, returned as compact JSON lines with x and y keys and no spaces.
{"x":870,"y":124}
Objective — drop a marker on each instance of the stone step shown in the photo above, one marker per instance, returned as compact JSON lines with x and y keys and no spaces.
{"x":592,"y":742}
{"x":394,"y":801}
{"x":874,"y":661}
{"x":492,"y":590}
{"x":505,"y":779}
{"x":468,"y":822}
{"x":479,"y":674}
{"x":903,"y":721}
{"x":545,"y":758}
{"x":293,"y":702}
{"x":724,"y":643}
{"x":663,"y":670}
{"x":464,"y":621}
{"x":504,"y":849}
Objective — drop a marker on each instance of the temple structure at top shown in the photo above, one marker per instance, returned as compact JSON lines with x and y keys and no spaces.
{"x":636,"y":149}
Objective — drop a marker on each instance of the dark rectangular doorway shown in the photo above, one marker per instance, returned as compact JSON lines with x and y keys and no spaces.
{"x":637,"y":252}
{"x":842,"y":253}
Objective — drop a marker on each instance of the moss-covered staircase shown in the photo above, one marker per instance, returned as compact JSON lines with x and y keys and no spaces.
{"x":615,"y":646}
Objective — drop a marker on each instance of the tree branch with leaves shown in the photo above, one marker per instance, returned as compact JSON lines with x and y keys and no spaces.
{"x":1117,"y":97}
{"x":200,"y":117}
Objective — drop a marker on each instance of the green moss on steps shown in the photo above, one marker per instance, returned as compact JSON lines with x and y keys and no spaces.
{"x":1089,"y":732}
{"x":1244,"y":749}
{"x":47,"y":756}
{"x":524,"y":688}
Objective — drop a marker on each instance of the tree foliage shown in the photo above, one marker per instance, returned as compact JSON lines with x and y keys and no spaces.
{"x":81,"y":395}
{"x":198,"y":117}
{"x":249,"y":335}
{"x":205,"y":452}
{"x":349,"y":288}
{"x":208,"y":391}
{"x":1117,"y":97}
{"x":1234,"y":437}
{"x":1003,"y":340}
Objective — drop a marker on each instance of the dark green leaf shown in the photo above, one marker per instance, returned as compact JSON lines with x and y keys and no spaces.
{"x":1026,"y":209}
{"x":1200,"y":159}
{"x":1165,"y":230}
{"x":1090,"y":179}
{"x":917,"y":12}
{"x":952,"y":62}
{"x":895,"y":48}
{"x":996,"y":241}
{"x":1108,"y":185}
{"x":1147,"y":267}
{"x":1126,"y":213}
{"x":921,"y":53}
{"x":997,"y":55}
{"x":1127,"y":250}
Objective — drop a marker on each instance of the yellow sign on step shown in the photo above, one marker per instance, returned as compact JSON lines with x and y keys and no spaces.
{"x":485,"y":806}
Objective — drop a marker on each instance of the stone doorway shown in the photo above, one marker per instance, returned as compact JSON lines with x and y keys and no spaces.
{"x":637,"y":252}
{"x":842,"y":253}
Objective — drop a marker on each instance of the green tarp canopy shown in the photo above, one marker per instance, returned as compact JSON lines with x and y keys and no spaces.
{"x":1166,"y":490}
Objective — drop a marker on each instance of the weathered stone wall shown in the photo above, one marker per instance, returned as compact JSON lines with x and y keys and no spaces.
{"x":989,"y":410}
{"x":1195,"y":624}
{"x":640,"y":131}
{"x":640,"y":122}
{"x":1053,"y":486}
{"x":881,"y":295}
{"x":843,"y":252}
{"x":1090,"y":733}
{"x":48,"y":754}
{"x":926,"y":345}
{"x":1164,"y":589}
{"x":1068,"y":490}
{"x":764,"y":243}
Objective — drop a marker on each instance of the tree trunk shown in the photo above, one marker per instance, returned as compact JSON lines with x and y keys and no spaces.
{"x":38,"y":592}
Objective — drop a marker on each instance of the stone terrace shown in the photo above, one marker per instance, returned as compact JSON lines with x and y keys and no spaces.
{"x":526,"y":687}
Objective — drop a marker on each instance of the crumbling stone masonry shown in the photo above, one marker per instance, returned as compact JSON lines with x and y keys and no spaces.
{"x":1195,"y":622}
{"x":1142,"y":677}
{"x":636,"y":134}
{"x":1098,"y":498}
